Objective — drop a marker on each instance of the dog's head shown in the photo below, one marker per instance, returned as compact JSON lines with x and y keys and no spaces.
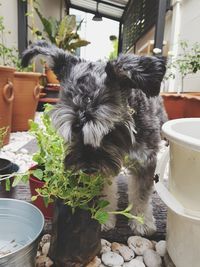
{"x":93,"y":114}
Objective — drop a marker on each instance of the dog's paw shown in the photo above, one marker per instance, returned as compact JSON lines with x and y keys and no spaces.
{"x":110,"y":224}
{"x":148,"y":228}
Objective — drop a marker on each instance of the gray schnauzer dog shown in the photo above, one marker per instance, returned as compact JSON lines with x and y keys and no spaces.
{"x":106,"y":112}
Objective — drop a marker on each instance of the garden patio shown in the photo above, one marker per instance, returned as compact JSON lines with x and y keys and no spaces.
{"x":79,"y":200}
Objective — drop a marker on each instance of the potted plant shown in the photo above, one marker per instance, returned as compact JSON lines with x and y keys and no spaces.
{"x":6,"y":84}
{"x":78,"y":207}
{"x":183,"y":104}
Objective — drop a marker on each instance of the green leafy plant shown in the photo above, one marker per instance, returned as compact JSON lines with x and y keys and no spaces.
{"x":114,"y":53}
{"x":63,"y":33}
{"x":76,"y":189}
{"x":187,"y":62}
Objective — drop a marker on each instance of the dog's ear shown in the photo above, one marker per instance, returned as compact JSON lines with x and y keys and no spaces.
{"x":60,"y":61}
{"x":138,"y":72}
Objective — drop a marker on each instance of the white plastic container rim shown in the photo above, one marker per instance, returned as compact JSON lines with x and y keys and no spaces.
{"x":186,"y":141}
{"x":172,"y":130}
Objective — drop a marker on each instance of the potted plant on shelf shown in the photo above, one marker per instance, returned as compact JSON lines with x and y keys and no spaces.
{"x":183,"y":104}
{"x":78,"y":207}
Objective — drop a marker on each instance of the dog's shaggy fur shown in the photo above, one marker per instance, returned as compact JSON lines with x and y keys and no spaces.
{"x":106,"y":112}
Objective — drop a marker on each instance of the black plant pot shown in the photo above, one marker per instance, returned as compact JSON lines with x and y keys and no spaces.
{"x":6,"y":167}
{"x":75,"y":237}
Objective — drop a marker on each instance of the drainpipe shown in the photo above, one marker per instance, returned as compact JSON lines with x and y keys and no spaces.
{"x":175,"y":38}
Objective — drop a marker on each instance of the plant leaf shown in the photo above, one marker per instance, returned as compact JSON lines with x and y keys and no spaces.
{"x":101,"y":216}
{"x":33,"y":198}
{"x":38,"y":173}
{"x":47,"y":24}
{"x":103,"y":203}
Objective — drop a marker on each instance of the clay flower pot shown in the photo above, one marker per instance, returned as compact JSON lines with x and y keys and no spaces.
{"x":184,"y":105}
{"x":27,"y":92}
{"x":51,"y":77}
{"x":6,"y":99}
{"x":174,"y":104}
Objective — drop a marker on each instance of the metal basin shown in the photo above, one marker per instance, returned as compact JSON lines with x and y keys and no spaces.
{"x":21,"y":224}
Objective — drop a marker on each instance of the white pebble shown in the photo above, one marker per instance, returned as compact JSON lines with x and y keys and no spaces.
{"x":123,"y":250}
{"x":161,"y":248}
{"x":139,"y":244}
{"x":112,"y":259}
{"x":152,"y":258}
{"x":134,"y":263}
{"x":105,"y":242}
{"x":46,"y":238}
{"x":105,"y":246}
{"x":139,"y":258}
{"x":23,"y":151}
{"x":45,"y":248}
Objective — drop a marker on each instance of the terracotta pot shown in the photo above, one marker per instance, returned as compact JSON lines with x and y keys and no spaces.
{"x":27,"y":92}
{"x":39,"y":202}
{"x":192,"y":106}
{"x":174,"y":105}
{"x":6,"y":99}
{"x":51,"y":77}
{"x":184,"y":105}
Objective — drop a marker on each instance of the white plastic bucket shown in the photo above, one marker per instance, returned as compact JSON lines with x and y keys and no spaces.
{"x":182,"y":196}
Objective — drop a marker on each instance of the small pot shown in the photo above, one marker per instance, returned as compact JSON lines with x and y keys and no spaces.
{"x":7,"y":167}
{"x":39,"y":202}
{"x":76,"y":237}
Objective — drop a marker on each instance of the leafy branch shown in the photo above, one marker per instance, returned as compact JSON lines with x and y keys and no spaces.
{"x":187,"y":62}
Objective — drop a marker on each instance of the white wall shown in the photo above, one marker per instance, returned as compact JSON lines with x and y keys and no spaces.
{"x":190,"y":30}
{"x":8,"y":10}
{"x":189,"y":19}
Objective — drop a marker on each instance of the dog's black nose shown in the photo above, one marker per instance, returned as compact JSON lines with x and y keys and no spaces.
{"x":90,"y":170}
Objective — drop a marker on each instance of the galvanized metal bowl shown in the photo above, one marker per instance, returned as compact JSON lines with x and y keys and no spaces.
{"x":21,"y":224}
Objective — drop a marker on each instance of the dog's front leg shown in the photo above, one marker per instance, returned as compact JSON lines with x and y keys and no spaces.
{"x":110,"y":193}
{"x":140,"y":186}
